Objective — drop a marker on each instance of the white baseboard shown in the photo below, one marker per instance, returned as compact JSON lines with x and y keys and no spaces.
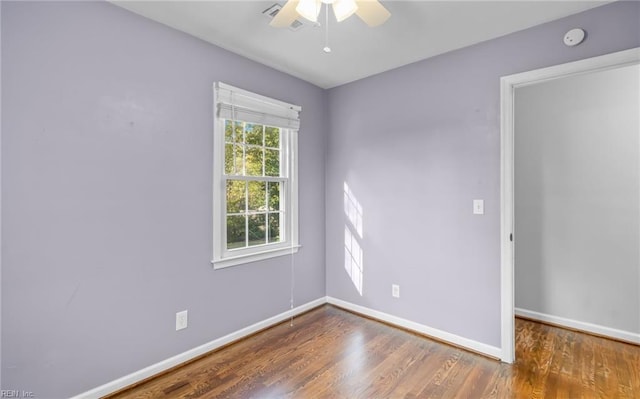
{"x":580,"y":325}
{"x":159,"y":367}
{"x":475,"y":346}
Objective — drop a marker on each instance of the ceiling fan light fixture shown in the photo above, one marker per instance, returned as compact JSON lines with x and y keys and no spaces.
{"x":309,"y":9}
{"x":343,"y":9}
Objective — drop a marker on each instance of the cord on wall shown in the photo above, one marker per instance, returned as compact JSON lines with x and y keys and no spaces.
{"x":292,"y":287}
{"x":293,"y":279}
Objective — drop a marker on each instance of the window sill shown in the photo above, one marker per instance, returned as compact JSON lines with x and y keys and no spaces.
{"x":248,"y":258}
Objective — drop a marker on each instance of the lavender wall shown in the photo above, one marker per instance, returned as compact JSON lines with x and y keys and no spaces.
{"x":106,"y":195}
{"x":106,"y":188}
{"x":416,"y":145}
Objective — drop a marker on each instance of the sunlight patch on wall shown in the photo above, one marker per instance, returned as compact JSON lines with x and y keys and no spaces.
{"x":353,"y":209}
{"x":353,"y":254}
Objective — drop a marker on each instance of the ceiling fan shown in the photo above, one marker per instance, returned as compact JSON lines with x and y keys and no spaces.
{"x":370,"y":11}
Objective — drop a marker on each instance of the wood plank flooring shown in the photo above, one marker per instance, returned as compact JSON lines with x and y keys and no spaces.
{"x":330,"y":353}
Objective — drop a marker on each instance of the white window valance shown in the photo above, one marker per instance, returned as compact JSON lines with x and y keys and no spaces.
{"x":237,"y":104}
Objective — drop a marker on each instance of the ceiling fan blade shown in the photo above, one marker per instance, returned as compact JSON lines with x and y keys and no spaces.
{"x":372,"y":12}
{"x":286,"y":15}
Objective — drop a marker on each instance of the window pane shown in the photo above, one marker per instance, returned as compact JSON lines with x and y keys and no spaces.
{"x":257,"y":229}
{"x":239,"y":137}
{"x":228,"y":159}
{"x":274,"y":227}
{"x":254,"y":161}
{"x":236,"y":237}
{"x":272,"y":137}
{"x":253,"y":134}
{"x":257,"y":196}
{"x":272,"y":163}
{"x":236,"y":196}
{"x":228,"y":131}
{"x":232,"y":159}
{"x":274,"y":196}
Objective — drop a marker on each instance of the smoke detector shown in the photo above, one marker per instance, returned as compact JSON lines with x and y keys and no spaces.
{"x":574,"y":37}
{"x":272,"y":11}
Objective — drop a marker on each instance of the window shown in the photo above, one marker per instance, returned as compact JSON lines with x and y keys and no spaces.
{"x":254,"y":177}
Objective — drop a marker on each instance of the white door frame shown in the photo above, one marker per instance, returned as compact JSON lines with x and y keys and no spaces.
{"x":508,"y":84}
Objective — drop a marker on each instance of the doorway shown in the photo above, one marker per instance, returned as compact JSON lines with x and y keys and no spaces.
{"x":509,"y":87}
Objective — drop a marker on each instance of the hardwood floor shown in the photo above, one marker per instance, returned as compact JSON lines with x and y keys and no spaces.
{"x":330,"y":353}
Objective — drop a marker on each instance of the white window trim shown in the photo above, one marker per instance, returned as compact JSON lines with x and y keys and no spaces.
{"x":221,"y":256}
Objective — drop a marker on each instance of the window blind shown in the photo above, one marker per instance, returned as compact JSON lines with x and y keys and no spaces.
{"x":237,"y":104}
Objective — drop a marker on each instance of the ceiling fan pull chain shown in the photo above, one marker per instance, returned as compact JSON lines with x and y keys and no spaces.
{"x":326,"y":48}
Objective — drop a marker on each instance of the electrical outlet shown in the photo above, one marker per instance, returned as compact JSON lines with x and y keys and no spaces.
{"x":395,"y":290}
{"x":181,"y":320}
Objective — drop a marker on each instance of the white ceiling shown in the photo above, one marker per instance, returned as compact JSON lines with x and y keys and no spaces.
{"x":415,"y":31}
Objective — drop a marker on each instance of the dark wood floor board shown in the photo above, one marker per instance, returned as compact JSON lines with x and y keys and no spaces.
{"x":381,"y":378}
{"x":424,"y":363}
{"x":397,"y":370}
{"x":330,"y":353}
{"x":587,"y":366}
{"x":346,"y":373}
{"x":629,"y":358}
{"x":298,"y":347}
{"x":625,"y":375}
{"x":355,"y":360}
{"x":476,"y":382}
{"x":502,"y":384}
{"x":324,"y":366}
{"x":424,"y":373}
{"x":432,"y":386}
{"x":606,"y":373}
{"x":551,"y":386}
{"x":386,"y":357}
{"x":544,"y":356}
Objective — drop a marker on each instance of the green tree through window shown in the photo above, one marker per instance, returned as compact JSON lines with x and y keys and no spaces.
{"x":253,"y":198}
